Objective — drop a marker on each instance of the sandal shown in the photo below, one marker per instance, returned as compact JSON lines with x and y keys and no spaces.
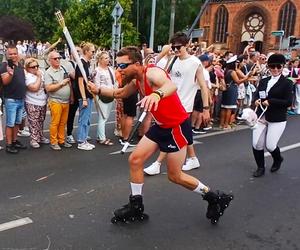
{"x":106,"y":142}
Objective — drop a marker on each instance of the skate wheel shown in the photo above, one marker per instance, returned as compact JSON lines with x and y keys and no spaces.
{"x":114,"y":220}
{"x":214,"y":221}
{"x":143,"y":217}
{"x":132,"y":219}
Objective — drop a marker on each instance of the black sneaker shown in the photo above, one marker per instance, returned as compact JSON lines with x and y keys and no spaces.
{"x":18,"y":145}
{"x":10,"y":148}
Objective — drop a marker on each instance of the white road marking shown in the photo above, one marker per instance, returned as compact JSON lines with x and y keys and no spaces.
{"x":286,"y":148}
{"x":63,"y":194}
{"x":15,"y":197}
{"x":15,"y":223}
{"x":130,"y":149}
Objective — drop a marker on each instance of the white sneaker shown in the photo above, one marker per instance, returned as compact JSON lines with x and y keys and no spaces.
{"x":23,"y":133}
{"x":191,"y":163}
{"x":84,"y":146}
{"x":92,"y":145}
{"x":153,"y":169}
{"x":70,"y":139}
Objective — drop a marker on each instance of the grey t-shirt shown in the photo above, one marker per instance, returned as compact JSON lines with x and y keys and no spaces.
{"x":56,"y":76}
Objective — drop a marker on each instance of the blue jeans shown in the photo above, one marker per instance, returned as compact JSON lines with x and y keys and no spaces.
{"x":84,"y":120}
{"x":14,"y":111}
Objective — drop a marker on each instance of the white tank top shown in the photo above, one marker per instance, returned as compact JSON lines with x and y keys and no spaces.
{"x":183,"y":74}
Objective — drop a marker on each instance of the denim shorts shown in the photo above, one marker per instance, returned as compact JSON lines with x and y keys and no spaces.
{"x":13,"y":111}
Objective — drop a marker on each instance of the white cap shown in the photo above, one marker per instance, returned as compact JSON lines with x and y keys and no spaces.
{"x":232,"y":59}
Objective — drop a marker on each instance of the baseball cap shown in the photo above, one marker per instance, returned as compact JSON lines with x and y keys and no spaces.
{"x":204,"y":57}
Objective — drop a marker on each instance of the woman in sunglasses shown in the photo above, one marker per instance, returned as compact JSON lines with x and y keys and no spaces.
{"x":35,"y":102}
{"x":275,"y":93}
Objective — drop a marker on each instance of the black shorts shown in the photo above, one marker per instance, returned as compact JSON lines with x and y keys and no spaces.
{"x":171,"y":139}
{"x":129,"y":105}
{"x":198,"y":104}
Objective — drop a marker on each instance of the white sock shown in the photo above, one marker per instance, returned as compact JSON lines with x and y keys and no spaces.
{"x":136,"y":188}
{"x":201,"y":188}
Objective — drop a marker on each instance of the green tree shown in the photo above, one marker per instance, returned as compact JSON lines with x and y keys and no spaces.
{"x":186,"y":12}
{"x":40,"y":13}
{"x":91,"y":20}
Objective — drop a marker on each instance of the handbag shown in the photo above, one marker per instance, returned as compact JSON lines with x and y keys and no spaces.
{"x":106,"y":99}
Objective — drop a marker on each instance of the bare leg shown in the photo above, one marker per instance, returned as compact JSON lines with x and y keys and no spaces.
{"x":142,"y":152}
{"x":175,"y":174}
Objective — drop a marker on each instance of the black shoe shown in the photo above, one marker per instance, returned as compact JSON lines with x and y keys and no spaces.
{"x":18,"y":145}
{"x":10,"y":148}
{"x":276,"y":165}
{"x":259,"y":172}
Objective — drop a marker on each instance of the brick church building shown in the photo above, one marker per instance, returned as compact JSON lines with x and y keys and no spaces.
{"x":229,"y":24}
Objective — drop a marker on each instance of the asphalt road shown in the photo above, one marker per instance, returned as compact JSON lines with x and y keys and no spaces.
{"x":65,"y":200}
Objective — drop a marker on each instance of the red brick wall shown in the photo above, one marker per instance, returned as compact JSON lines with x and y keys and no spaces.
{"x":237,"y":11}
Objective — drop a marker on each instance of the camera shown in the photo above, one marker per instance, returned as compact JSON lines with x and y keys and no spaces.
{"x":66,"y":75}
{"x":10,"y":63}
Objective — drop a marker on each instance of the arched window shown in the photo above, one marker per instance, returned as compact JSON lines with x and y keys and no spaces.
{"x":287,"y":18}
{"x":221,"y":25}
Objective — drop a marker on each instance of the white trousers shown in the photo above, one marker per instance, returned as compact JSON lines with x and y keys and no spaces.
{"x":297,"y":99}
{"x":106,"y":109}
{"x":267,"y":134}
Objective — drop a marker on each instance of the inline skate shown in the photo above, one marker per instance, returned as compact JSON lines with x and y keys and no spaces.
{"x":132,"y":211}
{"x":217,"y":203}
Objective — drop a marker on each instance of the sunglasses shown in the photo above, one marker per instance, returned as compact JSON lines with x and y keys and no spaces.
{"x":56,"y":58}
{"x":178,"y":47}
{"x":273,"y":66}
{"x":123,"y":65}
{"x":34,"y":67}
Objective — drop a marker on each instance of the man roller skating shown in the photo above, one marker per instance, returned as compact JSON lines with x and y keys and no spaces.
{"x":171,"y":134}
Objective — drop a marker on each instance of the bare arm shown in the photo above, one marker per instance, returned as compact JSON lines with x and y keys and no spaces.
{"x":124,"y":92}
{"x":7,"y":76}
{"x":159,"y":81}
{"x":56,"y":86}
{"x":204,"y":93}
{"x":238,"y":80}
{"x":35,"y":86}
{"x":165,"y":50}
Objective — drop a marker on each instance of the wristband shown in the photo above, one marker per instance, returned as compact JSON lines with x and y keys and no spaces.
{"x":159,"y":92}
{"x":206,"y":107}
{"x":154,"y":93}
{"x":83,"y":99}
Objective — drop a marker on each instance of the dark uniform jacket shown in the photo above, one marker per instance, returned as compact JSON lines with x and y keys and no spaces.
{"x":280,"y":97}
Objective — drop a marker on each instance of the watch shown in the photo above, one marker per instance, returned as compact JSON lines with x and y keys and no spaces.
{"x":206,"y":107}
{"x":160,"y":93}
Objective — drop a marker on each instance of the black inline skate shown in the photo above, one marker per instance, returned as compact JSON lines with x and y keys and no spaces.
{"x":132,"y":211}
{"x":217,"y":203}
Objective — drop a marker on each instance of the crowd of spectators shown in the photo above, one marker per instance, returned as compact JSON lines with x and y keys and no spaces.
{"x":34,"y":78}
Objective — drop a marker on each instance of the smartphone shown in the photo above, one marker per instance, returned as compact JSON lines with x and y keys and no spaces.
{"x":10,"y":63}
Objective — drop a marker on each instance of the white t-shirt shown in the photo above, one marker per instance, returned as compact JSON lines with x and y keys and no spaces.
{"x":38,"y":98}
{"x":183,"y":74}
{"x":207,"y":78}
{"x":103,"y":78}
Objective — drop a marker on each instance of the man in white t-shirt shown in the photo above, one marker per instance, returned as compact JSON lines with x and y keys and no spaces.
{"x":187,"y":73}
